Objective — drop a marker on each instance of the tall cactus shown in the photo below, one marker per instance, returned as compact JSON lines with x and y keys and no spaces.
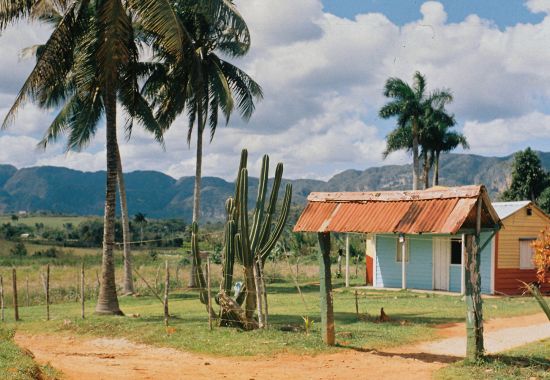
{"x":251,"y":245}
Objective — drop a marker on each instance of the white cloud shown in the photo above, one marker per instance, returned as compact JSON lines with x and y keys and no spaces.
{"x":538,"y":6}
{"x":323,"y":77}
{"x":500,"y":135}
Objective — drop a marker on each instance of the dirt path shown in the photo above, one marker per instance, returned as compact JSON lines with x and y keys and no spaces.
{"x":105,"y":358}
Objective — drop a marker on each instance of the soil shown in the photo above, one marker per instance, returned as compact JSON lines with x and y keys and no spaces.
{"x":107,"y":358}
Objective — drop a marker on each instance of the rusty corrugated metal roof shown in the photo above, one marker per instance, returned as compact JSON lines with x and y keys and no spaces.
{"x":439,"y":210}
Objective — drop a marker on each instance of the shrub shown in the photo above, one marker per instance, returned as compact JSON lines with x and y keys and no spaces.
{"x":19,"y":250}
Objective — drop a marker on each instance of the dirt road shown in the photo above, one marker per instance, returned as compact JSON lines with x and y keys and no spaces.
{"x":106,"y":358}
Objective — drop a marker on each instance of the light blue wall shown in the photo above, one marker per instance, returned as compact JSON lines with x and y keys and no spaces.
{"x":419,"y":267}
{"x":455,"y":278}
{"x":485,"y":265}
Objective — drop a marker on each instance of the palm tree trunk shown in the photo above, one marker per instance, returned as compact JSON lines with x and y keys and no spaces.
{"x":426,"y":169}
{"x":436,"y":169}
{"x":128,"y":287}
{"x":416,"y":168}
{"x":197,"y":189}
{"x":107,"y":301}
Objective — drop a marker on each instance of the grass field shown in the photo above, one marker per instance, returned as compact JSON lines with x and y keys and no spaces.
{"x":528,"y":362}
{"x":49,"y":221}
{"x":413,"y":317}
{"x":16,"y":364}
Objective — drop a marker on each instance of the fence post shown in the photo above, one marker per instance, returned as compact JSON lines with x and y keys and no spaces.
{"x":166,"y":287}
{"x":15,"y":303}
{"x":356,"y":305}
{"x":47,"y":292}
{"x":2,"y":298}
{"x":82,"y":290}
{"x":209,"y":292}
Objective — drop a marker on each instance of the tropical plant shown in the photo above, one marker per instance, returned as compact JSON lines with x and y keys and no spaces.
{"x":251,"y":246}
{"x":437,"y":137}
{"x":83,"y":67}
{"x":409,"y":105}
{"x":541,"y":259}
{"x":529,"y":179}
{"x":141,"y":220}
{"x":207,"y":85}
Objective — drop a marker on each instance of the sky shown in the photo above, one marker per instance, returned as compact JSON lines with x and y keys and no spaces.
{"x":322,"y":65}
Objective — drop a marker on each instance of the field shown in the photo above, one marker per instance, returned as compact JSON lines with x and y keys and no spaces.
{"x":413,"y":316}
{"x":49,"y":221}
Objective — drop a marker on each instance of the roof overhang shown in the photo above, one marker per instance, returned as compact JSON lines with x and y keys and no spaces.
{"x":438,"y":210}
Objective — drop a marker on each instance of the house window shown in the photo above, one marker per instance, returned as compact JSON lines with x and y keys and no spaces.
{"x":526,"y":253}
{"x":399,"y":250}
{"x":456,"y":252}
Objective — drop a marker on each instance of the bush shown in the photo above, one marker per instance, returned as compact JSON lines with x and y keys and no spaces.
{"x":19,"y":250}
{"x":48,"y":252}
{"x":153,"y":255}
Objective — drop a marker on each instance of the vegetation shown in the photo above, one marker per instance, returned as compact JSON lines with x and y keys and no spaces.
{"x":15,"y":364}
{"x":414,"y":109}
{"x":529,"y":180}
{"x":251,"y":246}
{"x":206,"y":85}
{"x":527,"y":362}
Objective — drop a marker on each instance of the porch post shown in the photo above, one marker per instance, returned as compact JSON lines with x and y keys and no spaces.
{"x":474,"y":316}
{"x":463,"y":265}
{"x":347,"y":260}
{"x":327,"y":314}
{"x":403,"y":261}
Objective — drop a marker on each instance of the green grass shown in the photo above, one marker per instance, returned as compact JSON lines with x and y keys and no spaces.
{"x":16,"y":364}
{"x":530,"y":361}
{"x":50,"y":221}
{"x":413,"y":317}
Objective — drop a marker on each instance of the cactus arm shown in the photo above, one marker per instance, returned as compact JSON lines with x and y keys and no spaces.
{"x":242,"y":165}
{"x":243,"y":219}
{"x":280,"y":224}
{"x":229,"y":259}
{"x":272,"y":204}
{"x":260,"y":202}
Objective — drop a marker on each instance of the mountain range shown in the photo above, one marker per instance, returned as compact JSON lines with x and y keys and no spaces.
{"x":66,"y":191}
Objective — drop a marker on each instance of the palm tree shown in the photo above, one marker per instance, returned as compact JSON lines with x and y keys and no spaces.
{"x":409,"y":105}
{"x":141,"y":220}
{"x":209,"y":84}
{"x":439,"y":138}
{"x":80,"y":69}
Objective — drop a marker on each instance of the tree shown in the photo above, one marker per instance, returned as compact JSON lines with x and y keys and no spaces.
{"x":208,"y":85}
{"x":541,"y":259}
{"x":91,"y":47}
{"x":437,"y":137}
{"x":529,"y":179}
{"x":141,"y":220}
{"x":409,"y":105}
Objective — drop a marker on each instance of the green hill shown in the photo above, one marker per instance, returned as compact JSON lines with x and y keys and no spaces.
{"x":67,"y":191}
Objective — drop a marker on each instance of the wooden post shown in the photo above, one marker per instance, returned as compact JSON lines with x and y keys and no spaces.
{"x":27,"y":291}
{"x":47,"y":287}
{"x":356,"y":305}
{"x":209,"y":291}
{"x":403,"y":261}
{"x":347,"y":260}
{"x":463,"y":266}
{"x":327,"y":313}
{"x":15,"y":303}
{"x":82,"y":291}
{"x":474,"y":315}
{"x":2,"y":299}
{"x":166,"y":289}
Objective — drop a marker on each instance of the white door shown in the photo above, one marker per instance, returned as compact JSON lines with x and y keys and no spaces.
{"x":442,"y":260}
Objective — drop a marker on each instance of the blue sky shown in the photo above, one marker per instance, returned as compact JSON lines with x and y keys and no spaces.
{"x":322,"y":65}
{"x":502,"y":12}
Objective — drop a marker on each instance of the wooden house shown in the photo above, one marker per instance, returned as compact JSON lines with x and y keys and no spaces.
{"x":415,"y":239}
{"x":513,"y":254}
